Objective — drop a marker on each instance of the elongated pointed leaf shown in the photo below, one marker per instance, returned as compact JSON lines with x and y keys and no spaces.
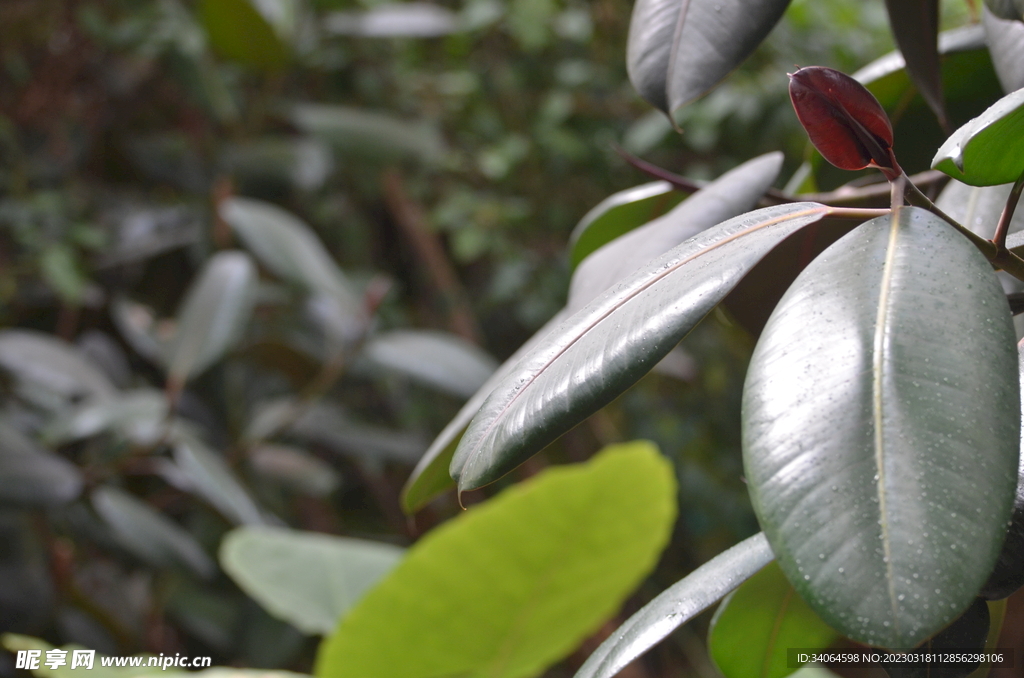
{"x":677,"y":605}
{"x":757,"y":623}
{"x":988,"y":150}
{"x":1006,"y":44}
{"x":881,"y":429}
{"x":619,"y":214}
{"x":147,"y":533}
{"x":605,"y":348}
{"x":250,"y":31}
{"x":731,"y":194}
{"x":680,"y":49}
{"x":437,"y":359}
{"x":371,"y":135}
{"x":309,"y":580}
{"x":209,"y":477}
{"x":431,"y":476}
{"x":293,"y":252}
{"x":31,"y":475}
{"x":213,"y":314}
{"x":915,"y":25}
{"x":497,"y":590}
{"x":48,"y":370}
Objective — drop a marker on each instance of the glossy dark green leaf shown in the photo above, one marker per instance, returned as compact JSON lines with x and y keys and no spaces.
{"x":250,"y":31}
{"x":372,"y":135}
{"x":619,"y":214}
{"x":1006,"y":9}
{"x":307,"y":579}
{"x":677,"y":605}
{"x":31,"y":475}
{"x":988,"y":150}
{"x":605,"y":348}
{"x":680,"y":49}
{"x":437,"y":359}
{"x":756,"y":624}
{"x":143,"y":531}
{"x":1006,"y":44}
{"x":915,"y":25}
{"x":213,"y":314}
{"x":431,"y":477}
{"x":881,"y":428}
{"x":732,"y":194}
{"x":497,"y":592}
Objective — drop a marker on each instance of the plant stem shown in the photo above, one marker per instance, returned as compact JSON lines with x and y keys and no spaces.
{"x":1007,"y":216}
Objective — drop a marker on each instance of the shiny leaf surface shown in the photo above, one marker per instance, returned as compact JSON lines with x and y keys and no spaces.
{"x":307,"y":579}
{"x":988,"y":150}
{"x":431,"y":476}
{"x":603,"y":523}
{"x":680,"y":49}
{"x":881,"y":429}
{"x":605,"y":348}
{"x":732,"y":194}
{"x":1006,"y":44}
{"x":619,"y":214}
{"x":756,"y":624}
{"x":677,"y":605}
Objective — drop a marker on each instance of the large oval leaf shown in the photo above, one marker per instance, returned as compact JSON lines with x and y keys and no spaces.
{"x":309,"y":580}
{"x":757,"y":623}
{"x":988,"y":150}
{"x":677,"y":605}
{"x":604,"y":349}
{"x":881,"y":428}
{"x":431,"y":477}
{"x":619,"y":214}
{"x":497,"y":591}
{"x":212,"y":315}
{"x":733,"y":193}
{"x":680,"y":49}
{"x":1006,"y":44}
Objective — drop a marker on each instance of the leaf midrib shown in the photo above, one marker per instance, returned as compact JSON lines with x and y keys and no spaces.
{"x":824,"y":210}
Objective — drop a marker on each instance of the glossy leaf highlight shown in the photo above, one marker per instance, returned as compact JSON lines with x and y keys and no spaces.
{"x":881,"y":428}
{"x":605,"y":348}
{"x":677,"y":605}
{"x":988,"y":150}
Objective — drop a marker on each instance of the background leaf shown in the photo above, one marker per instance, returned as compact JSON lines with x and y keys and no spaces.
{"x":370,"y":134}
{"x":395,"y":20}
{"x":148,"y":534}
{"x":507,"y":574}
{"x":757,"y":623}
{"x":915,"y":25}
{"x":1006,"y":44}
{"x":619,"y":214}
{"x":309,"y":580}
{"x":31,"y":475}
{"x":601,"y":351}
{"x":437,"y":359}
{"x":732,"y":194}
{"x":864,"y":502}
{"x":680,"y":49}
{"x":678,"y":604}
{"x":250,"y":31}
{"x":49,"y":371}
{"x":213,"y":314}
{"x":209,"y":476}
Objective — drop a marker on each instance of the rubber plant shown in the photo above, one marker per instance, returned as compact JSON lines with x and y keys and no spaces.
{"x":881,"y":411}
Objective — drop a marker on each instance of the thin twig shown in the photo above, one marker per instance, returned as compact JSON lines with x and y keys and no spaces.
{"x":1007,"y":216}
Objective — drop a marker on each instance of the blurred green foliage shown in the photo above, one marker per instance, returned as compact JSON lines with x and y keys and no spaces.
{"x":442,"y":155}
